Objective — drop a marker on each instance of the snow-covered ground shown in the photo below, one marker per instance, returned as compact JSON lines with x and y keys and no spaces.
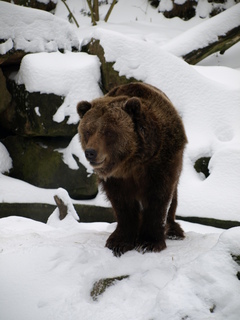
{"x":48,"y":271}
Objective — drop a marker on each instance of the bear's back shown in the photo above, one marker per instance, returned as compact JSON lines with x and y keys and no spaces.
{"x":159,"y":104}
{"x":137,"y":89}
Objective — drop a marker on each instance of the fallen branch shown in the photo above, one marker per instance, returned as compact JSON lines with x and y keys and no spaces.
{"x":216,"y":34}
{"x":221,"y":45}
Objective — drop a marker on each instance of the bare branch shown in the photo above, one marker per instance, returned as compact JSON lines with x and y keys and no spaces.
{"x":92,"y":13}
{"x":70,"y":12}
{"x":110,"y":10}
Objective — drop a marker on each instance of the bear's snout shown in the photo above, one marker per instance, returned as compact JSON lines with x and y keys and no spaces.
{"x":91,"y":154}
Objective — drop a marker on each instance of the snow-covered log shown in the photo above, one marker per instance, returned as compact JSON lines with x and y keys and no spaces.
{"x":214,"y":35}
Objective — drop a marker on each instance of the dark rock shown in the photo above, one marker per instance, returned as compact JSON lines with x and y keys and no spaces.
{"x":37,"y":161}
{"x":189,"y":8}
{"x":89,"y":213}
{"x":32,"y":114}
{"x":12,"y":57}
{"x":5,"y":97}
{"x":237,"y":260}
{"x":46,"y":5}
{"x":8,"y":120}
{"x":201,"y":166}
{"x":185,"y":11}
{"x":110,"y":77}
{"x":42,"y":211}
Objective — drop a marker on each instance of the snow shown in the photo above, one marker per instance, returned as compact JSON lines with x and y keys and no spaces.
{"x":5,"y":160}
{"x":34,"y":30}
{"x":73,"y":149}
{"x":61,"y":74}
{"x":51,"y":270}
{"x":211,"y":122}
{"x":204,"y":33}
{"x":17,"y":191}
{"x":227,"y":76}
{"x":48,"y":270}
{"x":6,"y":46}
{"x":165,"y":5}
{"x":72,"y":215}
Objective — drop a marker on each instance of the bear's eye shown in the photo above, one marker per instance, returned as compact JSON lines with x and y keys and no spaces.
{"x":109,"y":133}
{"x":87,"y":134}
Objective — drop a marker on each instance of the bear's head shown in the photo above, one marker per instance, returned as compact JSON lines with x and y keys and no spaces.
{"x":107,"y":133}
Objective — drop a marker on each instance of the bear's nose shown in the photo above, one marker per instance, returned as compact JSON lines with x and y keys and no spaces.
{"x":90,"y":154}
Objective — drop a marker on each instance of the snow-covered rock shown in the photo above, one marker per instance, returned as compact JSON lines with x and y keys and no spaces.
{"x":69,"y":75}
{"x":40,"y":161}
{"x":33,"y":30}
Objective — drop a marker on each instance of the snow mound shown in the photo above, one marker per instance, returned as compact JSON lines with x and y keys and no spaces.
{"x":33,"y":30}
{"x":71,"y":218}
{"x":227,"y":76}
{"x":18,"y":191}
{"x":60,"y":266}
{"x":70,"y":75}
{"x":211,"y":115}
{"x":5,"y":160}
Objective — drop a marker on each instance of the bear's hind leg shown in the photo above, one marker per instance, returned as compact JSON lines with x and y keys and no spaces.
{"x":152,"y":230}
{"x":173,"y":229}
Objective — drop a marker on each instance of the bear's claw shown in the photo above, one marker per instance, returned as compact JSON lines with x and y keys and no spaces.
{"x":118,"y":247}
{"x":151,"y":246}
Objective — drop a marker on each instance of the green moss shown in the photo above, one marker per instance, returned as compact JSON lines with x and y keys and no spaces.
{"x":100,"y":286}
{"x":110,"y":77}
{"x":37,"y":161}
{"x":34,"y":113}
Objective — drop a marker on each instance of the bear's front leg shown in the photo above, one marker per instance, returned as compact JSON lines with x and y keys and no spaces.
{"x":119,"y":243}
{"x":151,"y":239}
{"x":124,"y":237}
{"x":127,"y":211}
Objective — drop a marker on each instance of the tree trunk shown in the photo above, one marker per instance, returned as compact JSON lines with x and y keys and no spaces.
{"x":92,"y":12}
{"x":96,"y":10}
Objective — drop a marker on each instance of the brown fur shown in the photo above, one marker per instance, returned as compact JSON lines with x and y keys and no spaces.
{"x":135,"y":139}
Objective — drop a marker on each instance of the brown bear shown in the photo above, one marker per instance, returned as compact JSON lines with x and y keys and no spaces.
{"x":134,"y":139}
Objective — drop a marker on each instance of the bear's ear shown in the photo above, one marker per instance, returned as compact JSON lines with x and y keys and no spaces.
{"x":83,"y":107}
{"x":133,"y":107}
